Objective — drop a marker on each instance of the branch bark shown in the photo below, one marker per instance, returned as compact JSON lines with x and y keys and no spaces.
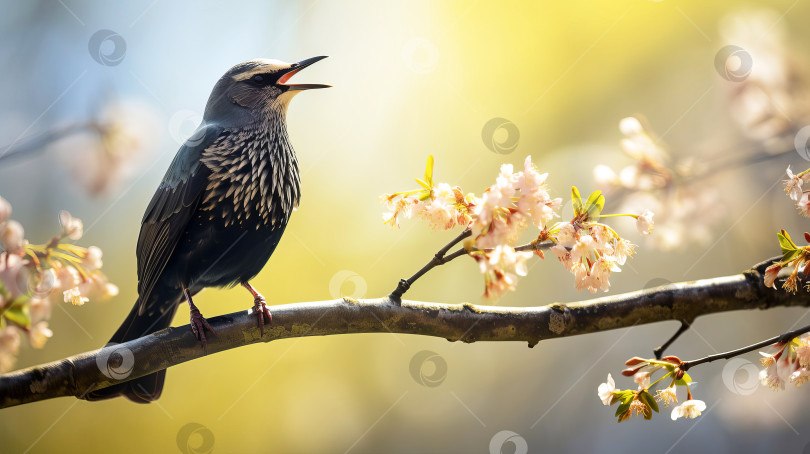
{"x":80,"y":374}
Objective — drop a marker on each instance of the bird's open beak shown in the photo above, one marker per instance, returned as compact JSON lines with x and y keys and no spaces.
{"x":282,"y":81}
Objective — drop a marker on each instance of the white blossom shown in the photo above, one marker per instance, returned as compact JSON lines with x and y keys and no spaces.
{"x":605,"y":391}
{"x":690,"y":409}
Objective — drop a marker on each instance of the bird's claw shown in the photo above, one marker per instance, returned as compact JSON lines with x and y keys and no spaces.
{"x":199,"y":325}
{"x":262,"y":312}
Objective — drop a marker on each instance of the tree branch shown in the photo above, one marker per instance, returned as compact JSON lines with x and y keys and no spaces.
{"x":79,"y":374}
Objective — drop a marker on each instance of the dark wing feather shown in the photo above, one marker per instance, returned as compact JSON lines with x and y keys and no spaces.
{"x":171,"y":209}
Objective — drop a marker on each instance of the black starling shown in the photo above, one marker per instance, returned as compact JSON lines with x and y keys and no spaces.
{"x":220,"y":210}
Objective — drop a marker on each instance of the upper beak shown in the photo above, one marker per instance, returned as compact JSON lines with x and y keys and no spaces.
{"x":294,"y":68}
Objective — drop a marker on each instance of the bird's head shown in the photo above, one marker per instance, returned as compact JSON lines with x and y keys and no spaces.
{"x":252,"y":90}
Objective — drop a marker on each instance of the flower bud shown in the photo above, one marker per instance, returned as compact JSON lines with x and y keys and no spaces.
{"x":644,"y":222}
{"x":672,"y":359}
{"x":5,"y":210}
{"x":72,"y":228}
{"x":12,"y":237}
{"x":635,"y":361}
{"x":630,"y":126}
{"x":39,"y":334}
{"x":629,"y":372}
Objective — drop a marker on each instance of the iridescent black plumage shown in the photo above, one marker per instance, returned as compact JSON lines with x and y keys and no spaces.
{"x":221,"y":208}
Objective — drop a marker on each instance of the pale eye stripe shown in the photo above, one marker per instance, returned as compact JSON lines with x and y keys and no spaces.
{"x":263,"y":69}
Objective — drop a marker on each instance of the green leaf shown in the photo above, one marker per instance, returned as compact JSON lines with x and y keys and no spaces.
{"x":623,"y":407}
{"x":423,"y":184}
{"x":684,"y":380}
{"x":626,"y":395}
{"x":790,"y":255}
{"x":429,"y":171}
{"x":4,"y":292}
{"x":648,"y":399}
{"x":576,"y":201}
{"x":18,"y":313}
{"x":785,"y":241}
{"x":595,"y":204}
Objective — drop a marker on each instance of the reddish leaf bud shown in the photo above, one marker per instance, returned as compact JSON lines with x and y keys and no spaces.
{"x":630,"y":371}
{"x":672,"y":359}
{"x":635,"y":361}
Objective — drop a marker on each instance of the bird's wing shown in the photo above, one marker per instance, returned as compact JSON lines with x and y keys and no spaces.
{"x":171,"y":209}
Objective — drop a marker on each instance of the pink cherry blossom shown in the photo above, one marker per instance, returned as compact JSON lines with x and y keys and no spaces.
{"x":771,"y":273}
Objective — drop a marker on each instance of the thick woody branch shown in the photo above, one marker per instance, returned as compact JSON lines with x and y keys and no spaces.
{"x":684,"y":301}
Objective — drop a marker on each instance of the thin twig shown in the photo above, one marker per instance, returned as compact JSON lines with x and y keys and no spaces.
{"x":441,"y":257}
{"x":782,"y":338}
{"x":658,"y":352}
{"x":438,"y":259}
{"x":38,"y":143}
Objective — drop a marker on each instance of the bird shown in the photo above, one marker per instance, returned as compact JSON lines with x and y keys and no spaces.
{"x":220,"y":210}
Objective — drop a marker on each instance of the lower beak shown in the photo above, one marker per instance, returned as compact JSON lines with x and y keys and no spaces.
{"x":293,"y":70}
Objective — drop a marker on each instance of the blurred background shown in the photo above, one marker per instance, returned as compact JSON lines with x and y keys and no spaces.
{"x":476,"y":84}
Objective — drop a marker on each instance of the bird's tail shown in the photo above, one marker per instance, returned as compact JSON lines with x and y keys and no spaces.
{"x":147,"y":388}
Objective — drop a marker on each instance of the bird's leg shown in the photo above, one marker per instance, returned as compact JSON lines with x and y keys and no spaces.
{"x":199,"y":325}
{"x":259,"y":307}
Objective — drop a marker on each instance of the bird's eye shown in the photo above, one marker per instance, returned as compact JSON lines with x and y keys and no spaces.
{"x":260,"y":80}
